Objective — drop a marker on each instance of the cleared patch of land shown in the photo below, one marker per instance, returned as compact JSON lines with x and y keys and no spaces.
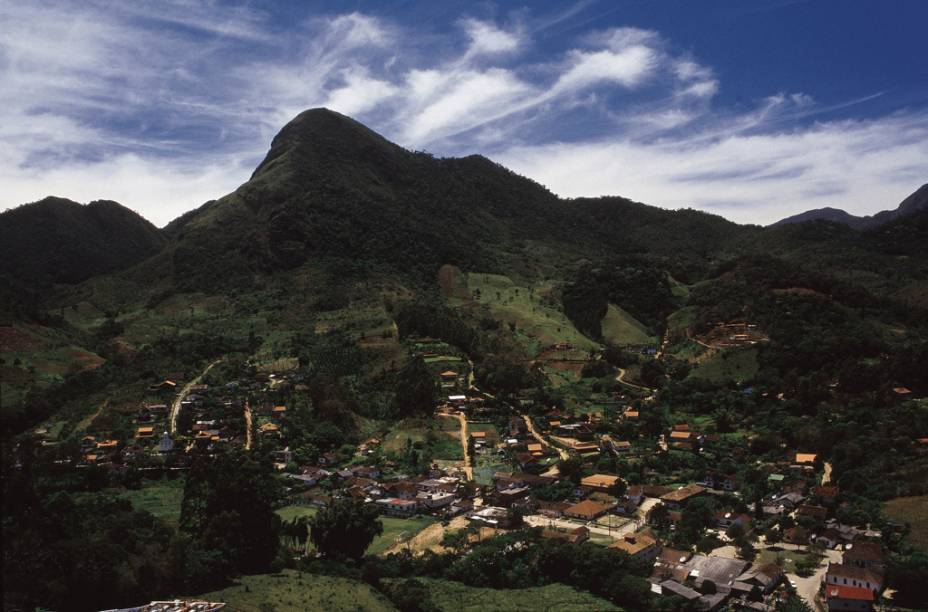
{"x":914,"y":511}
{"x":161,"y":497}
{"x":732,"y":364}
{"x":396,"y":531}
{"x":291,"y":591}
{"x":538,"y":321}
{"x":448,"y":595}
{"x":621,"y":328}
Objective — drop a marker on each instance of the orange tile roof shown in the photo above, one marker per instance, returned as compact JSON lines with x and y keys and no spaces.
{"x":603,"y":481}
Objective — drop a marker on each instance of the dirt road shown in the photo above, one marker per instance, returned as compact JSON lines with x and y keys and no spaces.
{"x":531,"y":428}
{"x":176,"y":406}
{"x":468,"y":460}
{"x":249,"y":426}
{"x":620,"y":378}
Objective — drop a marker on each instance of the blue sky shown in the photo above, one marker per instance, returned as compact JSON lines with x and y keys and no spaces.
{"x":754,"y":110}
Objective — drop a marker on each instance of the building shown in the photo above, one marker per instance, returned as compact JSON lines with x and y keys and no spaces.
{"x":600,"y":482}
{"x":588,"y":510}
{"x":394,"y":506}
{"x":574,"y":536}
{"x":851,"y":575}
{"x":166,"y":444}
{"x":642,"y":546}
{"x":675,"y":499}
{"x":848,"y":598}
{"x":868,"y":555}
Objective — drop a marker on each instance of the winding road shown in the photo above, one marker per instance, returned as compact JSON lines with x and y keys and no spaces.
{"x":176,"y":406}
{"x":620,"y":378}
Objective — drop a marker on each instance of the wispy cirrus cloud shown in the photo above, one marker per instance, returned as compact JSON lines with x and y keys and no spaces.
{"x":165,"y":106}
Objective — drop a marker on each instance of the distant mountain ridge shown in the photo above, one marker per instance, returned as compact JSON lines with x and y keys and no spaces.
{"x":915,"y":202}
{"x":56,"y":240}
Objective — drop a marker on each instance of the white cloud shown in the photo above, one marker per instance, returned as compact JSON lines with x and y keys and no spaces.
{"x":360,"y":93}
{"x":859,"y":166}
{"x":163,"y":107}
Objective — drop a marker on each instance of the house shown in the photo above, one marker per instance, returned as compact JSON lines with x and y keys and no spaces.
{"x":796,"y":535}
{"x":366,"y":471}
{"x":278,"y":412}
{"x":684,"y":440}
{"x":269,"y":429}
{"x":805,"y":458}
{"x":445,"y":484}
{"x":676,"y":499}
{"x":434,"y":500}
{"x":631,"y":414}
{"x":851,"y":575}
{"x":552,"y":509}
{"x":327,"y":459}
{"x":393,"y":506}
{"x":642,"y":546}
{"x":588,"y":510}
{"x":402,"y":489}
{"x":673,"y":588}
{"x":725,"y":520}
{"x":869,"y":555}
{"x":448,"y":376}
{"x":574,"y":536}
{"x":765,"y":577}
{"x":841,"y":597}
{"x":492,"y":516}
{"x":619,"y":447}
{"x":537,"y":450}
{"x":818,"y":513}
{"x":600,"y":482}
{"x":829,"y":538}
{"x":458,"y":401}
{"x":578,"y":431}
{"x":720,"y":570}
{"x":145,"y":433}
{"x":717,"y":481}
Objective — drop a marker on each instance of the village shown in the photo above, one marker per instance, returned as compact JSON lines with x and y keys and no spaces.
{"x":522,"y":465}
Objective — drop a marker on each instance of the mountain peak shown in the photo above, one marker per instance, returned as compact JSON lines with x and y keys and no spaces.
{"x":318,"y":134}
{"x":917,"y":201}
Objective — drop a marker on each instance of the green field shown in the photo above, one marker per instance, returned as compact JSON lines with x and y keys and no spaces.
{"x":448,"y":595}
{"x":291,"y":591}
{"x":914,"y":511}
{"x":288,"y":513}
{"x":538,"y":323}
{"x":731,"y":364}
{"x":445,"y":437}
{"x":397,"y":530}
{"x":161,"y":497}
{"x":621,"y":328}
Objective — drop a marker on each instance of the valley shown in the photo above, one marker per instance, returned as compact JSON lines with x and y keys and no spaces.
{"x":371,"y":375}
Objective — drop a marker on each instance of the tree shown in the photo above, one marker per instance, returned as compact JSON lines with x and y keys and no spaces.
{"x":416,"y":390}
{"x":618,"y":489}
{"x":571,"y":468}
{"x":345,"y":529}
{"x":228,"y":506}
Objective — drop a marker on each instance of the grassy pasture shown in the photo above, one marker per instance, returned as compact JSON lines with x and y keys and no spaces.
{"x":732,"y":364}
{"x":538,"y":322}
{"x":162,"y":498}
{"x":291,"y":591}
{"x":620,"y":328}
{"x":449,"y":595}
{"x":914,"y":511}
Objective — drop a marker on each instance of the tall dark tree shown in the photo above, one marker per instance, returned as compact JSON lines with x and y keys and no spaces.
{"x":416,"y":389}
{"x":228,"y":507}
{"x":345,"y":529}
